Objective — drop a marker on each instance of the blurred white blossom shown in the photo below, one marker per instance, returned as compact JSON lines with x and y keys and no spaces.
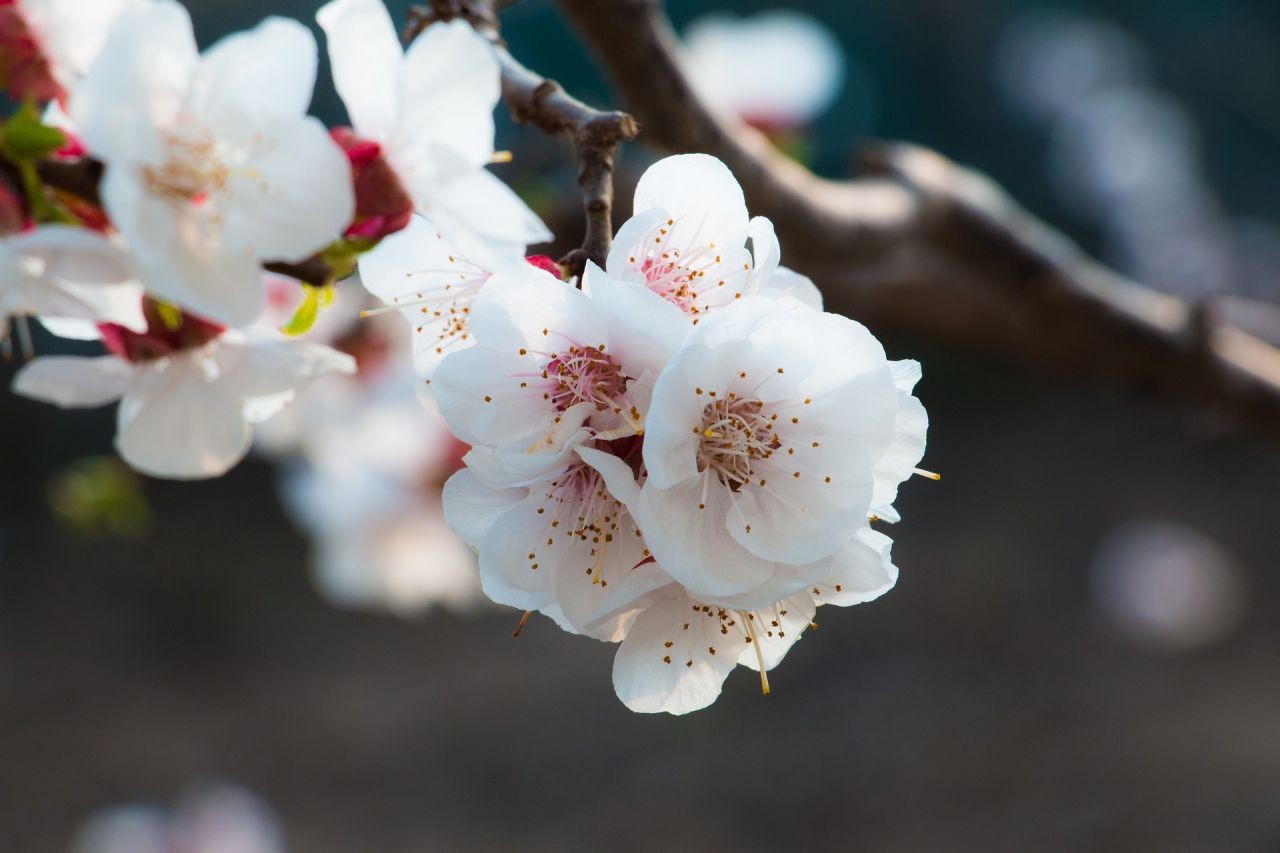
{"x":777,"y":69}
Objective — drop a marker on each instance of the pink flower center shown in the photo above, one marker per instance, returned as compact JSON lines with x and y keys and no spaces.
{"x":735,"y":433}
{"x":584,"y":374}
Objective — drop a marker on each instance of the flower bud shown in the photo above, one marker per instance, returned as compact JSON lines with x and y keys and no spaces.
{"x":382,"y":205}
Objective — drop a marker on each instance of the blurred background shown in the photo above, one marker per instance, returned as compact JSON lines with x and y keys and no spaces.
{"x":1083,"y":651}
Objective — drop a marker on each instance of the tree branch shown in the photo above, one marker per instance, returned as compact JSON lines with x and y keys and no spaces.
{"x":543,"y":103}
{"x":922,"y":246}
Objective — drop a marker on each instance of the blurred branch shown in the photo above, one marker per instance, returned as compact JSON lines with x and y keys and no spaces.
{"x":921,"y":245}
{"x":543,"y":103}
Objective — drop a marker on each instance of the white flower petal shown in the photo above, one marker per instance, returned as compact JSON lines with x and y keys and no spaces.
{"x":508,"y":574}
{"x":367,"y":63}
{"x":74,"y":381}
{"x":175,"y":422}
{"x":862,"y":571}
{"x":906,"y":448}
{"x":294,"y":195}
{"x":71,"y":32}
{"x":259,"y":363}
{"x":449,"y":70}
{"x":137,"y":82}
{"x":471,"y":507}
{"x":792,"y":285}
{"x":685,"y":528}
{"x":532,"y":455}
{"x":765,"y":253}
{"x":480,"y":215}
{"x":644,"y":329}
{"x":176,"y":263}
{"x":264,"y":73}
{"x":667,"y":663}
{"x":777,"y":628}
{"x":700,"y":193}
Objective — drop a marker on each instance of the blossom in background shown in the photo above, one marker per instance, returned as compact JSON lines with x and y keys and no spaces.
{"x":46,"y":46}
{"x":688,"y":240}
{"x":189,"y":388}
{"x":776,"y":70}
{"x":212,"y":165}
{"x":365,"y":484}
{"x":208,"y":819}
{"x":57,"y":272}
{"x":429,"y":109}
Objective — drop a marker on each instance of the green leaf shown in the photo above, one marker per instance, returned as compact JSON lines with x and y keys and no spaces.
{"x":26,"y":137}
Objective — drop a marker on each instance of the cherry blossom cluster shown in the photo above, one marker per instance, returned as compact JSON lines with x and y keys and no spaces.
{"x":678,"y":451}
{"x":684,"y":455}
{"x":211,"y":170}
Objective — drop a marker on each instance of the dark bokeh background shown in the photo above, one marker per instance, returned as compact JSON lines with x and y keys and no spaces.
{"x":991,"y":702}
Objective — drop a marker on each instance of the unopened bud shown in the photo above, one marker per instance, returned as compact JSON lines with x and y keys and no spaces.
{"x":382,"y":205}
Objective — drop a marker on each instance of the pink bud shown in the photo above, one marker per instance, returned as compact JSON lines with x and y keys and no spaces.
{"x":544,"y":263}
{"x":382,"y":205}
{"x":24,"y":69}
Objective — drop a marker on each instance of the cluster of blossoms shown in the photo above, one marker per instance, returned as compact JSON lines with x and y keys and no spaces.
{"x":685,"y":455}
{"x":211,"y":169}
{"x":680,"y":452}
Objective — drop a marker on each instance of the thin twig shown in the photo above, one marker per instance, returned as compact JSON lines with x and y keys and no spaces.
{"x":543,"y":103}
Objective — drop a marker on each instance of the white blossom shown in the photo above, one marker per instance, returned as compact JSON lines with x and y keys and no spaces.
{"x":688,"y":240}
{"x":366,"y":487}
{"x":551,"y":368}
{"x":430,"y":107}
{"x":187,"y":394}
{"x":212,"y":165}
{"x":779,"y":69}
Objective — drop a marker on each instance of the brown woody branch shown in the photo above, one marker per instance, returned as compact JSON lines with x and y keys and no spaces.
{"x":543,"y":103}
{"x":923,"y":246}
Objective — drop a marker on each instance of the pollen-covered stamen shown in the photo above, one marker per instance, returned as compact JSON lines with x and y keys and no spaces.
{"x":442,"y":311}
{"x":194,"y":169}
{"x":751,"y":627}
{"x":735,"y":433}
{"x":583,"y":512}
{"x":585,"y":374}
{"x":681,"y":275}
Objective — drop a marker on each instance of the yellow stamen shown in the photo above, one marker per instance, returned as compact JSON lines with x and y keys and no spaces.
{"x":520,"y":626}
{"x":927,"y":474}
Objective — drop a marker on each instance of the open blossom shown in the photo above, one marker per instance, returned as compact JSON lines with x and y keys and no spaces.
{"x":420,"y":273}
{"x":553,"y":399}
{"x":774,"y":435}
{"x":688,"y":240}
{"x":429,"y":109}
{"x":366,"y":487}
{"x":188,"y":388}
{"x":56,"y":272}
{"x":762,"y":443}
{"x":776,"y":70}
{"x":212,"y":165}
{"x":552,"y":367}
{"x":46,"y":46}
